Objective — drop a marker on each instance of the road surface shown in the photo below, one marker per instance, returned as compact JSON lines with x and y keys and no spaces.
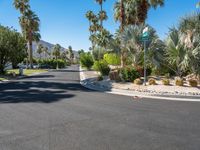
{"x":53,"y":111}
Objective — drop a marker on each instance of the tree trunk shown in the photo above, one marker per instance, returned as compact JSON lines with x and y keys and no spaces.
{"x":30,"y":54}
{"x":123,"y":59}
{"x":101,"y":11}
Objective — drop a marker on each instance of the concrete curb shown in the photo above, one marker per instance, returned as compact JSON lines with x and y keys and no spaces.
{"x":89,"y":85}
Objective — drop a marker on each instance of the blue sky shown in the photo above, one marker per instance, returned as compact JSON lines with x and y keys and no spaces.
{"x":64,"y":22}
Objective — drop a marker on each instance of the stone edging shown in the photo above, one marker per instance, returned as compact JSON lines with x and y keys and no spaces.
{"x":88,"y":83}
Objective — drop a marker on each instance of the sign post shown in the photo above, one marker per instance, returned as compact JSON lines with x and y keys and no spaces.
{"x":145,"y":38}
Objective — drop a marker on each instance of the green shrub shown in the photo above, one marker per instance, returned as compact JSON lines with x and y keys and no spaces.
{"x":129,"y":74}
{"x":193,"y":83}
{"x":112,"y":59}
{"x":179,"y":82}
{"x":52,"y":63}
{"x":141,"y":71}
{"x":152,"y":81}
{"x":138,"y":81}
{"x":102,"y":67}
{"x":166,"y":82}
{"x":86,"y":60}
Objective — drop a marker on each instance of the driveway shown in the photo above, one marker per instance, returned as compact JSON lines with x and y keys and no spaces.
{"x":52,"y":111}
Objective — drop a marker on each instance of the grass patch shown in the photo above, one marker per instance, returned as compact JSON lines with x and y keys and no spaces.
{"x":27,"y":71}
{"x":2,"y":79}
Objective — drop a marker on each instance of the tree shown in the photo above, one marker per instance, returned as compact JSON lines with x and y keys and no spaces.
{"x":30,"y":27}
{"x":45,"y":50}
{"x":176,"y":53}
{"x":198,"y":5}
{"x":40,"y":49}
{"x":71,"y":54}
{"x":133,"y":12}
{"x":29,"y":23}
{"x":131,"y":40}
{"x":189,"y":27}
{"x":102,"y":14}
{"x":12,"y":47}
{"x":56,"y":52}
{"x":22,"y":5}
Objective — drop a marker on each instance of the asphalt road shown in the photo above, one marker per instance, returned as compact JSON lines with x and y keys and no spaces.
{"x":53,"y":111}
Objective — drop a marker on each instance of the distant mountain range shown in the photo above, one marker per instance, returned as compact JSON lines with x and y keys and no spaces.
{"x":50,"y":47}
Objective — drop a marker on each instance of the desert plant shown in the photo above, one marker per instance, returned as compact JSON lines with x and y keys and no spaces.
{"x":193,"y":83}
{"x":102,"y":67}
{"x":166,"y":82}
{"x":152,"y":81}
{"x":86,"y":60}
{"x":179,"y":82}
{"x":138,"y":81}
{"x":112,"y":59}
{"x":129,"y":74}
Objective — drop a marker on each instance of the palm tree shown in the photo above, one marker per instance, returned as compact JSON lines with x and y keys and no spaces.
{"x":190,"y":36}
{"x":131,"y":41}
{"x":102,"y":13}
{"x":22,"y":5}
{"x":40,"y":49}
{"x":198,"y":5}
{"x":45,"y":50}
{"x":177,"y":55}
{"x":132,"y":12}
{"x":56,"y":52}
{"x":71,"y":54}
{"x":30,"y":27}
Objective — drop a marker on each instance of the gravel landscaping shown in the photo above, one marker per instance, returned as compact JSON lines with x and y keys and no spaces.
{"x":160,"y":89}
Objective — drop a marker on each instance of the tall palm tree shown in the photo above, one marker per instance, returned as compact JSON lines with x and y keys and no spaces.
{"x":102,"y":13}
{"x":40,"y":49}
{"x":198,"y":5}
{"x":56,"y":52}
{"x":22,"y":5}
{"x":71,"y":54}
{"x":45,"y":50}
{"x":30,"y":28}
{"x":133,"y":12}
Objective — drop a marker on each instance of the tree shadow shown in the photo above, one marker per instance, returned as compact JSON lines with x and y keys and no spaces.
{"x":38,"y":91}
{"x":39,"y":76}
{"x":65,"y":70}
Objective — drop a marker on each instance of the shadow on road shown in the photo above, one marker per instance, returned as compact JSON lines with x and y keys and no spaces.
{"x":38,"y":91}
{"x":65,"y":71}
{"x":39,"y":76}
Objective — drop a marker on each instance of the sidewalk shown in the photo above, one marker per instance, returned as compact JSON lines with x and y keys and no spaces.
{"x":89,"y":80}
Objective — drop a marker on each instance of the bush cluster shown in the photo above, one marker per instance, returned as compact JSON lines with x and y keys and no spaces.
{"x":52,"y":63}
{"x":152,"y":81}
{"x":193,"y":83}
{"x":112,"y":59}
{"x":86,"y":60}
{"x":179,"y":82}
{"x":166,"y":82}
{"x":129,"y":74}
{"x":102,"y":67}
{"x":138,"y":81}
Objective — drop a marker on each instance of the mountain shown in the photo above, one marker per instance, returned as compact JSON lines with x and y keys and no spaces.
{"x":50,"y":47}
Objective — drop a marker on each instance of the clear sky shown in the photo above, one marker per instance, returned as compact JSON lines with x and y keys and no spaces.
{"x":64,"y":22}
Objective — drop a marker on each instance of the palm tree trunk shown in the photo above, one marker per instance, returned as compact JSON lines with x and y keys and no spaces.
{"x":123,"y":59}
{"x":30,"y":53}
{"x":101,"y":11}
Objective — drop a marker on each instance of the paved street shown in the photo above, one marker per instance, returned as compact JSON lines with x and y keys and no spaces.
{"x":52,"y":111}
